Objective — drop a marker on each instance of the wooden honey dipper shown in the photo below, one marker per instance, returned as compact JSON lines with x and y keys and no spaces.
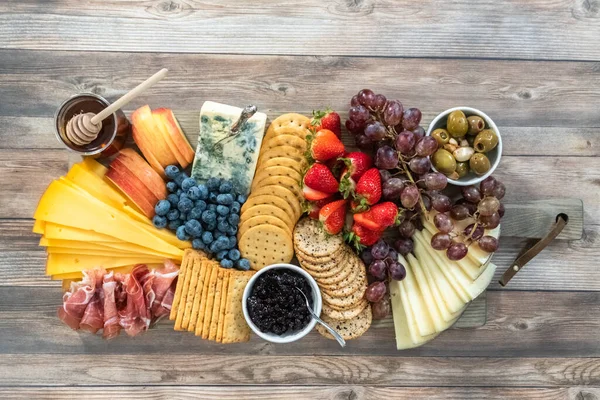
{"x":84,"y":128}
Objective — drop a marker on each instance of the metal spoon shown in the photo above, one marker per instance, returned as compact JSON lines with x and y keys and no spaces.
{"x":336,"y":335}
{"x":245,"y":115}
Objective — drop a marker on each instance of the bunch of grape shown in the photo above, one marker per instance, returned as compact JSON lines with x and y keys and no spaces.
{"x":383,"y":265}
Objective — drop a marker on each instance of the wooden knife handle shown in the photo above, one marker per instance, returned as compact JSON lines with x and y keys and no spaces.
{"x":519,"y":263}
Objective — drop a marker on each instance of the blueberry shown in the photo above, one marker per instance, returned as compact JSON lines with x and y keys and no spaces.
{"x":173,"y":199}
{"x":232,"y":242}
{"x":193,"y":193}
{"x":212,"y":197}
{"x":225,"y":263}
{"x":183,"y":217}
{"x":222,"y":254}
{"x":179,"y":178}
{"x":210,"y":226}
{"x":226,"y":199}
{"x":192,"y":227}
{"x":198,"y":244}
{"x":222,"y":242}
{"x":232,"y":230}
{"x":182,"y":234}
{"x":241,"y":198}
{"x":222,"y":210}
{"x":172,"y":187}
{"x":179,"y":192}
{"x":171,"y":171}
{"x":234,"y":254}
{"x":234,"y":219}
{"x":200,"y":204}
{"x":185,"y":205}
{"x":173,"y":215}
{"x":217,"y":234}
{"x":162,"y":207}
{"x":235,"y":207}
{"x":209,"y":216}
{"x":188,"y":183}
{"x":243,"y":264}
{"x":173,"y":225}
{"x":203,"y":190}
{"x":212,"y":184}
{"x":207,"y":237}
{"x":214,"y":248}
{"x":212,"y":207}
{"x":226,"y":187}
{"x":159,"y":221}
{"x":195,"y":213}
{"x":223,"y":227}
{"x":183,"y":196}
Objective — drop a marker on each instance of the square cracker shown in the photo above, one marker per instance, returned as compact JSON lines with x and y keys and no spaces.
{"x":235,"y":328}
{"x":198,"y":296}
{"x":210,"y":266}
{"x":180,"y":283}
{"x":210,"y":299}
{"x":214,"y":319}
{"x":184,"y":292}
{"x":224,"y":290}
{"x":189,"y":300}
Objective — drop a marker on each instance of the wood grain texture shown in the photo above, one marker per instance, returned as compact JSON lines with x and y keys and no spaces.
{"x":340,"y":392}
{"x":193,"y":369}
{"x":519,"y":324}
{"x":513,"y":93}
{"x":561,"y":29}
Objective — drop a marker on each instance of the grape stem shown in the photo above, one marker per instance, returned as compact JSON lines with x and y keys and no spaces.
{"x":407,"y":172}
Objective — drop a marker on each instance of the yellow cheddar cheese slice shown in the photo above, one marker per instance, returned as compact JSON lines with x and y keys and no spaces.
{"x":66,"y":263}
{"x":38,"y":227}
{"x":94,"y":166}
{"x":63,"y":232}
{"x":108,"y":247}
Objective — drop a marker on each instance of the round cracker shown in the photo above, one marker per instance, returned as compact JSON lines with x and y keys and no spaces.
{"x":265,"y":245}
{"x":290,"y":119}
{"x":353,"y":286}
{"x":322,"y":260}
{"x":270,"y":199}
{"x":344,"y":302}
{"x":285,"y":181}
{"x":346,"y":314}
{"x":353,"y":273}
{"x":262,"y":220}
{"x":284,"y":139}
{"x":311,"y":239}
{"x":275,"y":171}
{"x":348,"y":329}
{"x":280,"y":151}
{"x":324,"y":266}
{"x":281,"y":192}
{"x":325,"y":274}
{"x":267,"y":209}
{"x":298,"y":166}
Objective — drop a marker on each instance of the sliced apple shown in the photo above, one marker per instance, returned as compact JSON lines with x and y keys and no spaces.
{"x":140,"y":168}
{"x":174,"y":136}
{"x":146,"y":150}
{"x":150,"y":136}
{"x":132,"y":187}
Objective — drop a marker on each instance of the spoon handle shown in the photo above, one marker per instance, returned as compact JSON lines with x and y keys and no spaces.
{"x":336,"y":335}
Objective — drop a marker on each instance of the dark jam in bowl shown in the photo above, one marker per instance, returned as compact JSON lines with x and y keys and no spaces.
{"x":275,"y":306}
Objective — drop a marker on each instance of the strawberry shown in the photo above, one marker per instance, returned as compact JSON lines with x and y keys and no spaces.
{"x":368,"y":189}
{"x":361,"y":236}
{"x":314,"y":207}
{"x":327,"y":119}
{"x":355,"y":165}
{"x":326,"y":145}
{"x":379,"y":217}
{"x":311,"y":194}
{"x":333,"y":216}
{"x":320,"y":178}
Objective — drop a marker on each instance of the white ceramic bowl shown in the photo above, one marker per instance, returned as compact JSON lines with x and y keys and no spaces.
{"x":288,"y":337}
{"x":494,"y":155}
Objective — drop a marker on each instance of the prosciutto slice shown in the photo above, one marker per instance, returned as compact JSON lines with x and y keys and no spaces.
{"x":77,"y":299}
{"x":111,"y":316}
{"x":164,"y":290}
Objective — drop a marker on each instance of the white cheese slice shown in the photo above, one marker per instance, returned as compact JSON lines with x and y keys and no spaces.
{"x":415,"y":300}
{"x":233,"y":159}
{"x":426,"y":293}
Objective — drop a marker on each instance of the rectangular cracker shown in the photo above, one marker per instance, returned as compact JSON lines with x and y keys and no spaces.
{"x":189,"y":300}
{"x":197,"y":296}
{"x":235,"y":328}
{"x":179,"y":286}
{"x":210,"y":266}
{"x":214,"y":319}
{"x":184,"y":291}
{"x":224,"y":290}
{"x":210,"y":299}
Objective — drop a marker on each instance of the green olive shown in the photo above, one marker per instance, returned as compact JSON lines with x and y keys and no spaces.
{"x":457,"y":124}
{"x":444,"y":161}
{"x":462,"y":168}
{"x":441,"y":135}
{"x":476,"y":124}
{"x":479,"y":163}
{"x":485,"y":141}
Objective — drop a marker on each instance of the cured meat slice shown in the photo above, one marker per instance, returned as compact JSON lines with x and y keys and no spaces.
{"x":111,"y":315}
{"x":93,"y":317}
{"x":163,"y":287}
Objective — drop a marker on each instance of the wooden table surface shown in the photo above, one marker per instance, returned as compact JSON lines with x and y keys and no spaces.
{"x":532,"y":65}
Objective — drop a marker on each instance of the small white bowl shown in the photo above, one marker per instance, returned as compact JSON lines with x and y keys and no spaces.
{"x":494,"y":155}
{"x":288,"y":337}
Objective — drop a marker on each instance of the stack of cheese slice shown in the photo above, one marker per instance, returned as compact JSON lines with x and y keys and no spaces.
{"x":87,"y":223}
{"x":436,"y":290}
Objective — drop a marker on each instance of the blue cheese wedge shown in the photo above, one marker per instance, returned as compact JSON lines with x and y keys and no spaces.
{"x":233,"y":159}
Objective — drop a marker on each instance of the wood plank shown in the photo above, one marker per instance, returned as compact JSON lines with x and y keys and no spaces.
{"x":196,"y":369}
{"x":519,"y":324}
{"x":513,"y":93}
{"x":298,"y":392}
{"x":538,"y":29}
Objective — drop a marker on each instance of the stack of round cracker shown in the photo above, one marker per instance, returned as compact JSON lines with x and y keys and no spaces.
{"x":341,"y":276}
{"x":269,"y":215}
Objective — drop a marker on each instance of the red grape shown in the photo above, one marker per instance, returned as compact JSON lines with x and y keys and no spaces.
{"x":459,"y":212}
{"x":351,"y":126}
{"x":420,"y":165}
{"x":488,"y":206}
{"x":386,"y":158}
{"x":405,"y":142}
{"x":470,"y":206}
{"x":435,"y":180}
{"x":488,"y":244}
{"x":471,"y":194}
{"x":381,"y":309}
{"x":457,"y":251}
{"x":378,"y":269}
{"x":501,"y":210}
{"x":441,"y":241}
{"x":499,"y":190}
{"x":443,"y":223}
{"x":363,"y":142}
{"x":392,"y":188}
{"x":375,"y":292}
{"x":426,"y":202}
{"x":392,"y":114}
{"x":379,"y":102}
{"x":491,"y":221}
{"x":406,"y":229}
{"x":441,"y":202}
{"x":366,"y":256}
{"x":360,"y":115}
{"x":426,"y":146}
{"x":392,"y":255}
{"x":474,"y":232}
{"x":375,"y":131}
{"x":419,"y":132}
{"x":397,"y":271}
{"x":354,"y":101}
{"x":487,"y":186}
{"x":380,"y":249}
{"x":409,"y":196}
{"x":404,"y":246}
{"x":366,"y":97}
{"x":411,"y":119}
{"x":384,"y":174}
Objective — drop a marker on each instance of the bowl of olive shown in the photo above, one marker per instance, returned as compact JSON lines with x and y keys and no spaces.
{"x":469,"y":145}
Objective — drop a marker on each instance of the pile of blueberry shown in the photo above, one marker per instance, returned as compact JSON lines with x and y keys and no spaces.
{"x":206,"y":213}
